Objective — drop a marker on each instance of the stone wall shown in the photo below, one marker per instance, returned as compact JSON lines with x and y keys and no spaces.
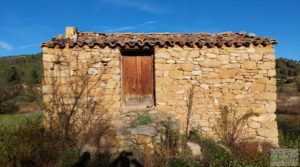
{"x":242,"y":77}
{"x":95,"y":71}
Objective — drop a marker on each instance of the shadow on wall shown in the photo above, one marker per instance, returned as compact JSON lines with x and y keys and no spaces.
{"x":123,"y":160}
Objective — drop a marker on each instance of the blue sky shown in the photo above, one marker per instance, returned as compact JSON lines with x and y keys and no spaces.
{"x":24,"y":24}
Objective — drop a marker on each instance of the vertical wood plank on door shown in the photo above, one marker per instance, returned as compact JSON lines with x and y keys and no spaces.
{"x":137,"y":79}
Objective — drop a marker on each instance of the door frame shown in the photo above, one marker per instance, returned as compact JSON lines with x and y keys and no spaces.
{"x":146,"y":52}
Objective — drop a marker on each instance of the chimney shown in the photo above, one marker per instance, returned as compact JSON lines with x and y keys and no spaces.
{"x":71,"y":32}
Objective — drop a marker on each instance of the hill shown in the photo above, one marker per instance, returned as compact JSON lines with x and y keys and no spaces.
{"x":21,"y":69}
{"x":17,"y":75}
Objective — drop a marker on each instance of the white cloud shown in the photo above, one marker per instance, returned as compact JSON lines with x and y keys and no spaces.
{"x":125,"y":28}
{"x":28,"y":46}
{"x":131,"y":27}
{"x":136,"y":4}
{"x":5,"y":45}
{"x":150,"y":22}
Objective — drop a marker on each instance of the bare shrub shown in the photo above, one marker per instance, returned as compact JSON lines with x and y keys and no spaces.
{"x":230,"y":125}
{"x":71,"y":109}
{"x":189,"y":109}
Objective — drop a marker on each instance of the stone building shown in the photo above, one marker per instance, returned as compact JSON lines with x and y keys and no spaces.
{"x":141,"y":72}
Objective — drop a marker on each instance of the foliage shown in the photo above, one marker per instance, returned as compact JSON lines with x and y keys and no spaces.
{"x":7,"y":94}
{"x":142,"y":119}
{"x":214,"y":154}
{"x":196,"y":133}
{"x":29,"y":142}
{"x":17,"y":74}
{"x":289,"y":132}
{"x":230,"y":125}
{"x":298,"y":83}
{"x":18,"y":119}
{"x":22,"y":69}
{"x":286,"y":71}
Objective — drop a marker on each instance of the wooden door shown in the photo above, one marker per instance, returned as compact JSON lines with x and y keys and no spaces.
{"x":137,"y":78}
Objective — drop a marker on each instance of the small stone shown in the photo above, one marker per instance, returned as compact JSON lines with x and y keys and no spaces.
{"x":163,"y":55}
{"x":194,"y":149}
{"x":263,"y":117}
{"x":247,"y":85}
{"x":264,"y":132}
{"x":97,"y":65}
{"x":106,"y":60}
{"x":255,"y":57}
{"x":48,"y":57}
{"x":176,"y":74}
{"x":103,"y":85}
{"x":258,"y":87}
{"x":250,"y":50}
{"x":269,"y":57}
{"x":271,"y":73}
{"x":249,"y":65}
{"x":143,"y":130}
{"x":251,"y":34}
{"x":166,"y":73}
{"x":116,"y":77}
{"x":254,"y":124}
{"x":216,"y":102}
{"x":204,"y":86}
{"x":269,"y":124}
{"x":267,"y":66}
{"x":187,"y":67}
{"x":194,"y":53}
{"x":211,"y":55}
{"x":195,"y":82}
{"x":210,"y":63}
{"x":170,"y":61}
{"x":180,"y":92}
{"x":196,"y":72}
{"x":92,"y":71}
{"x":196,"y":68}
{"x":236,"y":65}
{"x":271,"y":107}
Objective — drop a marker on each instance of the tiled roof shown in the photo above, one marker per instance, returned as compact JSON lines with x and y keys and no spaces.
{"x":140,"y":40}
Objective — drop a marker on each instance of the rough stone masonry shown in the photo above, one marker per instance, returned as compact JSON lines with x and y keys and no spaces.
{"x":236,"y":69}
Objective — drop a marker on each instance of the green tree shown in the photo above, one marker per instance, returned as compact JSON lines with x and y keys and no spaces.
{"x":12,"y":75}
{"x":33,"y":77}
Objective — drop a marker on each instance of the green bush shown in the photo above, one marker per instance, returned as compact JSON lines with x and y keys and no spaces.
{"x":7,"y":96}
{"x":142,"y":119}
{"x":29,"y":141}
{"x":298,"y":83}
{"x":214,"y":154}
{"x":289,"y":136}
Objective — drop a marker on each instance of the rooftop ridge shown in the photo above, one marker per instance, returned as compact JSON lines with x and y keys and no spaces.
{"x":156,"y":39}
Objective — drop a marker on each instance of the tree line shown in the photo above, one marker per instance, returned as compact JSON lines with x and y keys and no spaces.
{"x":23,"y":69}
{"x":287,"y":72}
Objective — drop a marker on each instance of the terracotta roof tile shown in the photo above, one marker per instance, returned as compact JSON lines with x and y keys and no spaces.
{"x":140,"y":40}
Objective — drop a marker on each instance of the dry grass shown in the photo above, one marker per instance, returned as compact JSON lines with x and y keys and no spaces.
{"x":287,"y":104}
{"x":230,"y":125}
